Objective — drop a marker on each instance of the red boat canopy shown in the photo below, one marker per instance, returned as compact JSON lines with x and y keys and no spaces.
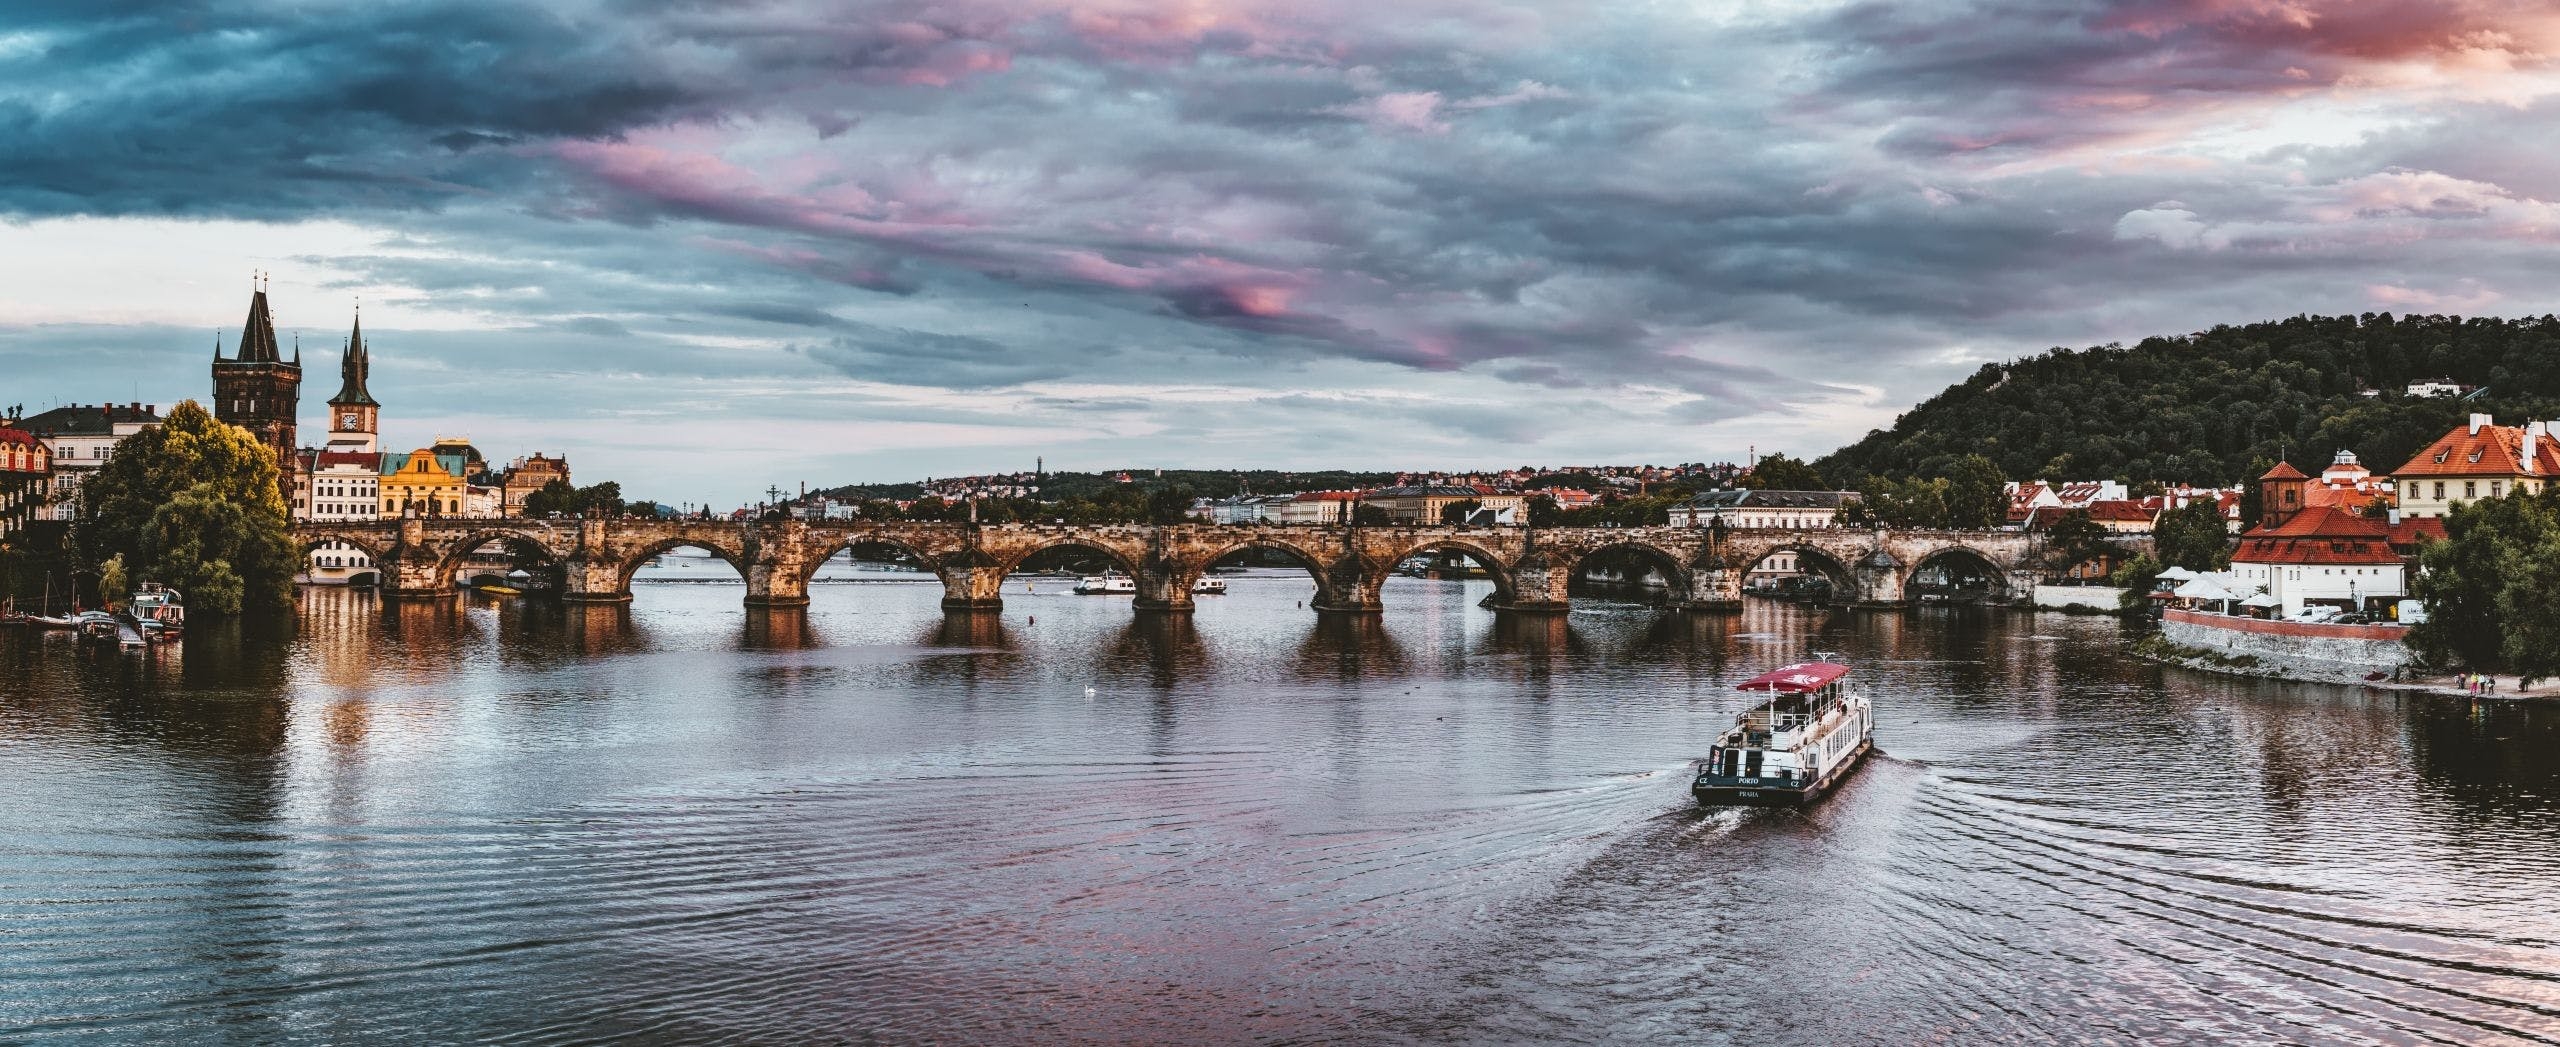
{"x":1796,"y":679}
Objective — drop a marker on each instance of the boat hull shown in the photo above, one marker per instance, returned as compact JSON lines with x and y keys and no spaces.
{"x":1719,"y":791}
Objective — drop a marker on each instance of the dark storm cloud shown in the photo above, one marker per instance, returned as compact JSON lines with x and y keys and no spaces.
{"x":1714,"y":215}
{"x":902,"y":356}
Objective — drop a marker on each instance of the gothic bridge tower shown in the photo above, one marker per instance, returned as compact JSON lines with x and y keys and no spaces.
{"x":258,"y":390}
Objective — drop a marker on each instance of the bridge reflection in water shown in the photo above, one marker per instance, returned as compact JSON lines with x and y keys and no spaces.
{"x":1532,"y":570}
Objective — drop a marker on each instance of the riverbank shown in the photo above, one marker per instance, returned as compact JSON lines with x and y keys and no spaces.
{"x":2160,"y":649}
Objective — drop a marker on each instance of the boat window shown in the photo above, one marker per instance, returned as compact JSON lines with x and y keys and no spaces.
{"x":1751,"y":764}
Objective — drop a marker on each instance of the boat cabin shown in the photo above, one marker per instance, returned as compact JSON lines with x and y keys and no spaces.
{"x":1764,"y":741}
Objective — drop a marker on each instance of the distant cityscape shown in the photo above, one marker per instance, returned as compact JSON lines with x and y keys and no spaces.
{"x":354,"y":475}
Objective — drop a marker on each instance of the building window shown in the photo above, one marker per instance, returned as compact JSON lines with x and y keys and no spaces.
{"x":2439,"y":488}
{"x":2470,"y":489}
{"x":2495,"y":488}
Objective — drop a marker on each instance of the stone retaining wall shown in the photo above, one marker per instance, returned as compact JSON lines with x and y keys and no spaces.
{"x":2334,"y":652}
{"x":2078,"y":597}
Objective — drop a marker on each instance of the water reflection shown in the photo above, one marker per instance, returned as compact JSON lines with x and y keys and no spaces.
{"x":777,"y":629}
{"x":1166,"y":646}
{"x":1349,"y":647}
{"x":517,"y":821}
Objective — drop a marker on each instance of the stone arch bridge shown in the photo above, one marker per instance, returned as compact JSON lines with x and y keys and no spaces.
{"x":1702,"y":569}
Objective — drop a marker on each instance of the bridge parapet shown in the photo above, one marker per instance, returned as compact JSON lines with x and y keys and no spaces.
{"x":1531,"y":569}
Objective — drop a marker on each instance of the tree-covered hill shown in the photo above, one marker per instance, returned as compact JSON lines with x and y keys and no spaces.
{"x":2219,"y":406}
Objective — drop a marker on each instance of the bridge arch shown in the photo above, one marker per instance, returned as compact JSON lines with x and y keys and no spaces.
{"x":1806,"y":558}
{"x":1127,"y":560}
{"x":1328,"y":588}
{"x":1505,"y":580}
{"x":316,"y":551}
{"x":1957,"y":557}
{"x":640,"y":555}
{"x":1675,"y":571}
{"x":925,"y":557}
{"x":449,"y":558}
{"x":371,"y":546}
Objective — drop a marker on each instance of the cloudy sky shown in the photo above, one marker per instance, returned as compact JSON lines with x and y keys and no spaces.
{"x":703,"y":246}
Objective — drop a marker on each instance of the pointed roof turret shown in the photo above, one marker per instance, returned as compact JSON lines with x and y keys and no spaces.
{"x":258,"y":333}
{"x":353,"y":367}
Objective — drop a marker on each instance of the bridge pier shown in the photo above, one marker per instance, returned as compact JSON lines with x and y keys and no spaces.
{"x":1163,"y":588}
{"x":586,"y":579}
{"x":1715,"y":590}
{"x":1538,"y":586}
{"x":1879,"y":578}
{"x":972,"y":585}
{"x":411,"y":572}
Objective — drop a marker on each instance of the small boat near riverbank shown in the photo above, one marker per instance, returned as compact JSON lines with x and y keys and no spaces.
{"x":1209,"y":587}
{"x":1794,"y":747}
{"x":1108,"y":583}
{"x":157,"y":611}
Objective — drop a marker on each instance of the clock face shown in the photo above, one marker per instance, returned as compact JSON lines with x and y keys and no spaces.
{"x":347,"y":420}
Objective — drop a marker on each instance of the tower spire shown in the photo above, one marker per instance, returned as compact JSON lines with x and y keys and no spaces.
{"x":258,"y":332}
{"x":353,"y":367}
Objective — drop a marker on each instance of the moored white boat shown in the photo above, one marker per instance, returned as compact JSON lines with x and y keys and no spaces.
{"x":1209,"y":587}
{"x":157,"y":610}
{"x":1792,"y":748}
{"x":1108,"y":583}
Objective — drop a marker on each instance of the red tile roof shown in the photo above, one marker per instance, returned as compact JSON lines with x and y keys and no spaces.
{"x":2413,"y":529}
{"x":2496,"y":450}
{"x":2321,"y":536}
{"x":2116,"y":510}
{"x":2284,"y":471}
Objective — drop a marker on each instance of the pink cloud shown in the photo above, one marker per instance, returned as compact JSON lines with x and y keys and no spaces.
{"x":2394,"y":296}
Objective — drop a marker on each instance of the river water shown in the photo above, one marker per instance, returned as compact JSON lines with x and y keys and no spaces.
{"x":514,"y":822}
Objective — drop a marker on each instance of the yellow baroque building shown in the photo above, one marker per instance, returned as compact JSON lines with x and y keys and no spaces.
{"x":425,"y":483}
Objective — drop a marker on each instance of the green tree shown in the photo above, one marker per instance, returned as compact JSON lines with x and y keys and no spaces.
{"x":2073,"y":540}
{"x":2488,"y":587}
{"x":1779,"y":472}
{"x":1544,"y":512}
{"x":2136,"y":577}
{"x":558,"y":497}
{"x":2193,"y":536}
{"x":1169,"y":505}
{"x":112,"y":583}
{"x":1455,"y":513}
{"x":1901,"y":503}
{"x":1368,"y":515}
{"x":1977,"y":495}
{"x":2218,"y":406}
{"x":193,"y":504}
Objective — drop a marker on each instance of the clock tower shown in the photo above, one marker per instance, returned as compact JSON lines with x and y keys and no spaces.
{"x":353,"y":416}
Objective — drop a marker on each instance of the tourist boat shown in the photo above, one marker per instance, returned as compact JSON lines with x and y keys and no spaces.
{"x":1209,"y":587}
{"x":1108,"y":583}
{"x":157,"y":610}
{"x":1793,"y":747}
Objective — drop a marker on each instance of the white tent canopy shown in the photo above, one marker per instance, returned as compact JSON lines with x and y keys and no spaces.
{"x":2262,"y":600}
{"x":2204,"y":589}
{"x":2176,"y":574}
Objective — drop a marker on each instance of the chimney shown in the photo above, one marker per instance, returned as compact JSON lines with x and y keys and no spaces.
{"x":151,"y":408}
{"x":2532,"y":436}
{"x":2477,"y":421}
